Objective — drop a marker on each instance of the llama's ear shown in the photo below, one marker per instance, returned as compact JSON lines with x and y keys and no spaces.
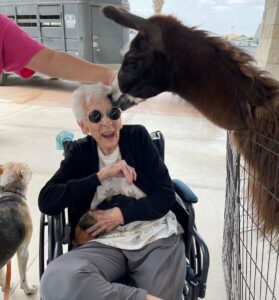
{"x":1,"y":169}
{"x":126,"y":19}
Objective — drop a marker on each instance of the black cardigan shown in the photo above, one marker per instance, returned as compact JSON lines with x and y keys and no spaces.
{"x":75,"y":182}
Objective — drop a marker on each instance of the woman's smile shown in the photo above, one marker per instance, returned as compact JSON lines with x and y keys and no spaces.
{"x":108,"y":135}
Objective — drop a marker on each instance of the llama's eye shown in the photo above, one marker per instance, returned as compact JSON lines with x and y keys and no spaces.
{"x":134,"y":66}
{"x":130,"y":66}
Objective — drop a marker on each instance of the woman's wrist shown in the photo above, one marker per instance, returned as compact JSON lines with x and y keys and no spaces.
{"x":102,"y":175}
{"x":119,"y":215}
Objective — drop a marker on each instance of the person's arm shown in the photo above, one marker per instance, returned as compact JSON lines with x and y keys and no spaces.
{"x":68,"y":186}
{"x":65,"y":66}
{"x":24,"y":55}
{"x":17,"y":48}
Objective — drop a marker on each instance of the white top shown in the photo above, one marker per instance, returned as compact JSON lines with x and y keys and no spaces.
{"x":134,"y":235}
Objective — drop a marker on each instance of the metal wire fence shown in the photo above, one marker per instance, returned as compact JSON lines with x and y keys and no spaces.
{"x":250,"y":257}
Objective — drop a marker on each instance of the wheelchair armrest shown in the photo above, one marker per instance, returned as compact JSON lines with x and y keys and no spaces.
{"x":184,"y":192}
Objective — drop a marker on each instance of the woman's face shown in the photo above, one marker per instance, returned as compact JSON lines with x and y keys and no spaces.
{"x":106,"y":131}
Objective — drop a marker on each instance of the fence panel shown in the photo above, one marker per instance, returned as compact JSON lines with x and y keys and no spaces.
{"x":250,"y":257}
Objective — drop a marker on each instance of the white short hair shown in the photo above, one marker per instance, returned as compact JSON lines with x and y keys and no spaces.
{"x":85,"y":94}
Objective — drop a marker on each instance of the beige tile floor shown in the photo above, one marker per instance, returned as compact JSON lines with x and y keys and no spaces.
{"x":33,"y":112}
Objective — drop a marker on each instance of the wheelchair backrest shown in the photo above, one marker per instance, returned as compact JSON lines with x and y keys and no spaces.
{"x":159,"y":141}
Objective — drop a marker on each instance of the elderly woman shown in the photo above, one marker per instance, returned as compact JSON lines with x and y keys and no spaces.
{"x":136,"y":234}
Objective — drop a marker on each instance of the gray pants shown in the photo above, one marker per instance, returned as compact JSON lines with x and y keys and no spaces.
{"x":88,"y":272}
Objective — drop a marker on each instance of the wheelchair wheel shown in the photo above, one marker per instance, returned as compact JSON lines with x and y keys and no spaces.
{"x":46,"y":223}
{"x":190,"y":290}
{"x":195,"y":256}
{"x":187,"y":293}
{"x":42,"y":245}
{"x":50,"y":241}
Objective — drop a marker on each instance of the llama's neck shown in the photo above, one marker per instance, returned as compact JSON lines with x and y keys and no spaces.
{"x":219,"y":80}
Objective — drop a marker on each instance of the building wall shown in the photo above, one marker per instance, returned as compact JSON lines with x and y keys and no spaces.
{"x":267,"y":53}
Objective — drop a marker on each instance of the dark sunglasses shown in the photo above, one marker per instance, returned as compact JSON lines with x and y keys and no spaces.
{"x":96,"y":116}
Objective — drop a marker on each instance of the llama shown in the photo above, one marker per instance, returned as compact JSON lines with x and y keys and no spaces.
{"x":219,"y":80}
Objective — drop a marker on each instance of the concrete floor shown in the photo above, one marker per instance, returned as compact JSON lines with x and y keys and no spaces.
{"x":32,"y":113}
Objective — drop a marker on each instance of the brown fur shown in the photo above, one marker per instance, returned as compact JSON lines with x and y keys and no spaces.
{"x":240,"y":96}
{"x":80,"y":234}
{"x":223,"y":83}
{"x":28,"y":223}
{"x":15,"y":220}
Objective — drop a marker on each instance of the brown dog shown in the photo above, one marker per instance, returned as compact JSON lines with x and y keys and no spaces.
{"x":80,"y":235}
{"x":15,"y":220}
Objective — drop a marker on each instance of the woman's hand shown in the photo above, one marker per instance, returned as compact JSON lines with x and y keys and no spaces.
{"x":107,"y":220}
{"x":120,"y":168}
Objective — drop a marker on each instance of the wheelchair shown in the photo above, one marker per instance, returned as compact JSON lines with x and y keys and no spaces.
{"x":57,"y":229}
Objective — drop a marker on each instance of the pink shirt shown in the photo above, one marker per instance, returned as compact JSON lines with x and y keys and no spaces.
{"x":16,"y":48}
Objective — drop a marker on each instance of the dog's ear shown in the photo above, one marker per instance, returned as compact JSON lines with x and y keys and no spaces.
{"x":19,"y":172}
{"x":23,"y":172}
{"x":1,"y":169}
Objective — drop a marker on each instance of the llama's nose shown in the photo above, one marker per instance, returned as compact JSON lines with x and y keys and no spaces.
{"x":123,"y":102}
{"x":126,"y":102}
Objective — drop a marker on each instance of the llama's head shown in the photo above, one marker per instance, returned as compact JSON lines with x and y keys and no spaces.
{"x":145,"y":71}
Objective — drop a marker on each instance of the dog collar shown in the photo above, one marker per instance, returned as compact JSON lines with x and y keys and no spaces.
{"x":15,"y":191}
